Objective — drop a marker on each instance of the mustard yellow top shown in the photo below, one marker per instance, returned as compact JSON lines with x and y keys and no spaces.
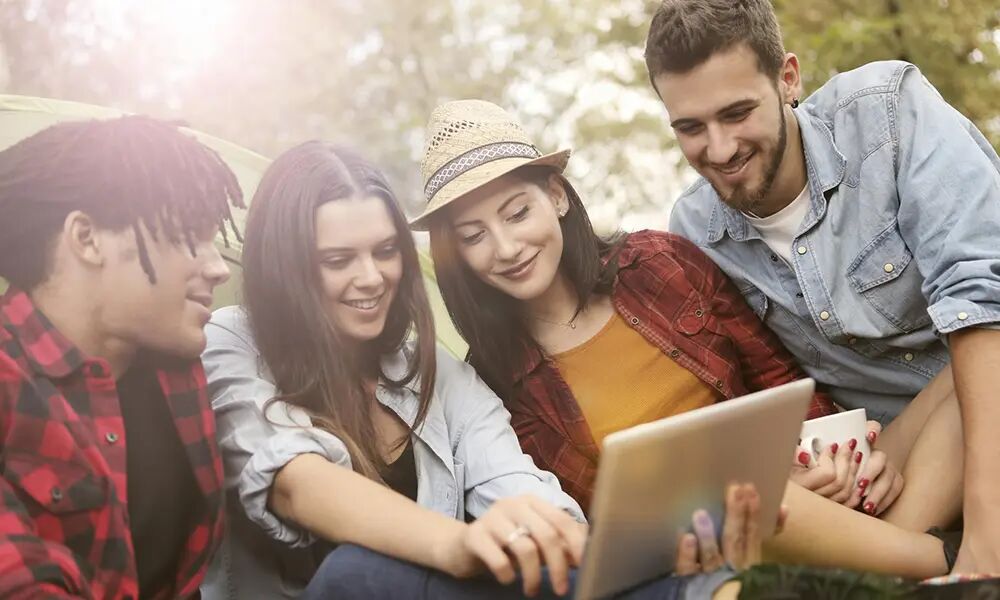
{"x":620,"y":379}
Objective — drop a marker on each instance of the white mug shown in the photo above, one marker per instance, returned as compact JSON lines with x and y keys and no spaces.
{"x":840,"y":428}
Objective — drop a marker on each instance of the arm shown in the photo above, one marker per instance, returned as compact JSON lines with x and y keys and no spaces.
{"x":948,"y":179}
{"x":479,"y":421}
{"x":543,"y":445}
{"x":976,"y":362}
{"x":337,"y":504}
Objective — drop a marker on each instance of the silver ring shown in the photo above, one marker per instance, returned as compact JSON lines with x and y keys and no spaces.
{"x":519,"y":532}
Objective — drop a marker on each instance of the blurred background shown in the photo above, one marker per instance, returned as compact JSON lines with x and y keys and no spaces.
{"x":267,"y":74}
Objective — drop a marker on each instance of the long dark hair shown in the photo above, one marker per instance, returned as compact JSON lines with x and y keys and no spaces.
{"x":308,"y":357}
{"x":494,"y":324}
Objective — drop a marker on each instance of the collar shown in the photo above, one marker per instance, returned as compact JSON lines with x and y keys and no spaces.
{"x":47,"y":351}
{"x":825,"y":169}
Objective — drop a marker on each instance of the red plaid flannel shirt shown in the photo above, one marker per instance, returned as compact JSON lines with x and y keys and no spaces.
{"x":64,"y":529}
{"x":679,"y":300}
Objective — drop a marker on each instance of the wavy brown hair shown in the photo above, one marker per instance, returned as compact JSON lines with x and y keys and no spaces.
{"x":494,"y":324}
{"x":311,"y":364}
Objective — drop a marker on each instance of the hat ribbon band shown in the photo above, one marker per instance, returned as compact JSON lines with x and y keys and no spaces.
{"x":475,"y":158}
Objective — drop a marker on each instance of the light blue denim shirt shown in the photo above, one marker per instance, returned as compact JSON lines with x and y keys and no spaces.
{"x":900,"y":247}
{"x":466,"y":453}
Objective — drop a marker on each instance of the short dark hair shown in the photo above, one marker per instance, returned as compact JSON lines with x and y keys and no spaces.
{"x":121,"y":172}
{"x":493,"y":323}
{"x":686,"y":33}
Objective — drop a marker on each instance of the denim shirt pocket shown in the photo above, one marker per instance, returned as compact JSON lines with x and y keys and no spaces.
{"x":883,"y":275}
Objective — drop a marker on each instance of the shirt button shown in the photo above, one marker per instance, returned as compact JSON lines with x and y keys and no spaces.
{"x":888,"y":268}
{"x":718,"y":383}
{"x":634,"y":320}
{"x":774,"y":258}
{"x":95,"y":370}
{"x":675,"y":353}
{"x":908,"y":356}
{"x":698,"y":313}
{"x":799,"y":295}
{"x":824,"y":315}
{"x":801,"y":250}
{"x":852,"y":340}
{"x":111,"y":437}
{"x":963,"y":316}
{"x":57,"y":494}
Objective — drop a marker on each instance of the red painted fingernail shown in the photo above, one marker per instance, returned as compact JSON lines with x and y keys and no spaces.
{"x":852,"y":444}
{"x":804,"y":458}
{"x":857,"y":458}
{"x":863,"y":483}
{"x":871,"y":437}
{"x":833,"y":447}
{"x":869,"y":508}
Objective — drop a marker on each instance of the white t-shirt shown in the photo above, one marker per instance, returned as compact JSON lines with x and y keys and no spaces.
{"x":779,"y":229}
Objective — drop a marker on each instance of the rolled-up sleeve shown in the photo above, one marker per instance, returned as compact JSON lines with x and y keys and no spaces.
{"x":258,"y":437}
{"x":949,"y":206}
{"x":487,"y":447}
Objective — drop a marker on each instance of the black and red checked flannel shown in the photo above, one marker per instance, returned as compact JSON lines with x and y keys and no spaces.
{"x":678,"y":299}
{"x":64,"y":529}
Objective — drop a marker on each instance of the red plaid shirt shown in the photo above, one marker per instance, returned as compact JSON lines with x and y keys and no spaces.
{"x":64,"y":528}
{"x":679,"y":300}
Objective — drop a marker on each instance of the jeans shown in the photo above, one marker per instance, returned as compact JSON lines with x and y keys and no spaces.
{"x":352,"y":572}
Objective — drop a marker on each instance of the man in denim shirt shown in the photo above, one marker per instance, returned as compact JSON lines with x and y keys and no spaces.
{"x":863,"y":226}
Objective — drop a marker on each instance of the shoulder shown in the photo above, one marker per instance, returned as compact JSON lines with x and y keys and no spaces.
{"x":455,"y":375}
{"x":872,"y":79}
{"x":229,"y":326}
{"x":648,"y":248}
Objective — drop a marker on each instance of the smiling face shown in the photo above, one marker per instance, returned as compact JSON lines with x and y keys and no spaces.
{"x":730,"y":122}
{"x":360,"y":264}
{"x":508,"y":234}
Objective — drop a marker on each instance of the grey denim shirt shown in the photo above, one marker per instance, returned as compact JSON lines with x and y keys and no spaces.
{"x":466,"y":453}
{"x":900,"y":247}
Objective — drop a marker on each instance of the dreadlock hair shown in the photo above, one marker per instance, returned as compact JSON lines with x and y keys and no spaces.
{"x":121,"y":172}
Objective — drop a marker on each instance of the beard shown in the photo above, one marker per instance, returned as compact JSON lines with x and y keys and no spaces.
{"x":749,"y":200}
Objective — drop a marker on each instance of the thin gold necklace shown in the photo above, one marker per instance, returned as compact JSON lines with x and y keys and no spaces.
{"x":571,"y":323}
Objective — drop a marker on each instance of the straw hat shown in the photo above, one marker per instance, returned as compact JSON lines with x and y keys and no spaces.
{"x":469,"y":144}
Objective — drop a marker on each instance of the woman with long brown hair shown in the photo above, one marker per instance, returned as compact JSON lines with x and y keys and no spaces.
{"x":341,"y":424}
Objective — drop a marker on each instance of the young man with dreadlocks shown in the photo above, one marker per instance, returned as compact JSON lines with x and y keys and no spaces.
{"x":110,"y":478}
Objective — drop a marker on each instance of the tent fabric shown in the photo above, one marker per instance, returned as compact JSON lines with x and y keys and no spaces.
{"x":22,"y":116}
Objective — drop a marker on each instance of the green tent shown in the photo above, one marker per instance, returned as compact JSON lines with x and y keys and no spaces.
{"x":21,"y":116}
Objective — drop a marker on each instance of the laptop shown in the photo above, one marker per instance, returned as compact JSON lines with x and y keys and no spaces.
{"x":652,"y":477}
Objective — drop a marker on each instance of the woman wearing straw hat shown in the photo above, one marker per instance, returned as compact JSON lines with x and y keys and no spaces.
{"x":337,"y":428}
{"x":582,"y":336}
